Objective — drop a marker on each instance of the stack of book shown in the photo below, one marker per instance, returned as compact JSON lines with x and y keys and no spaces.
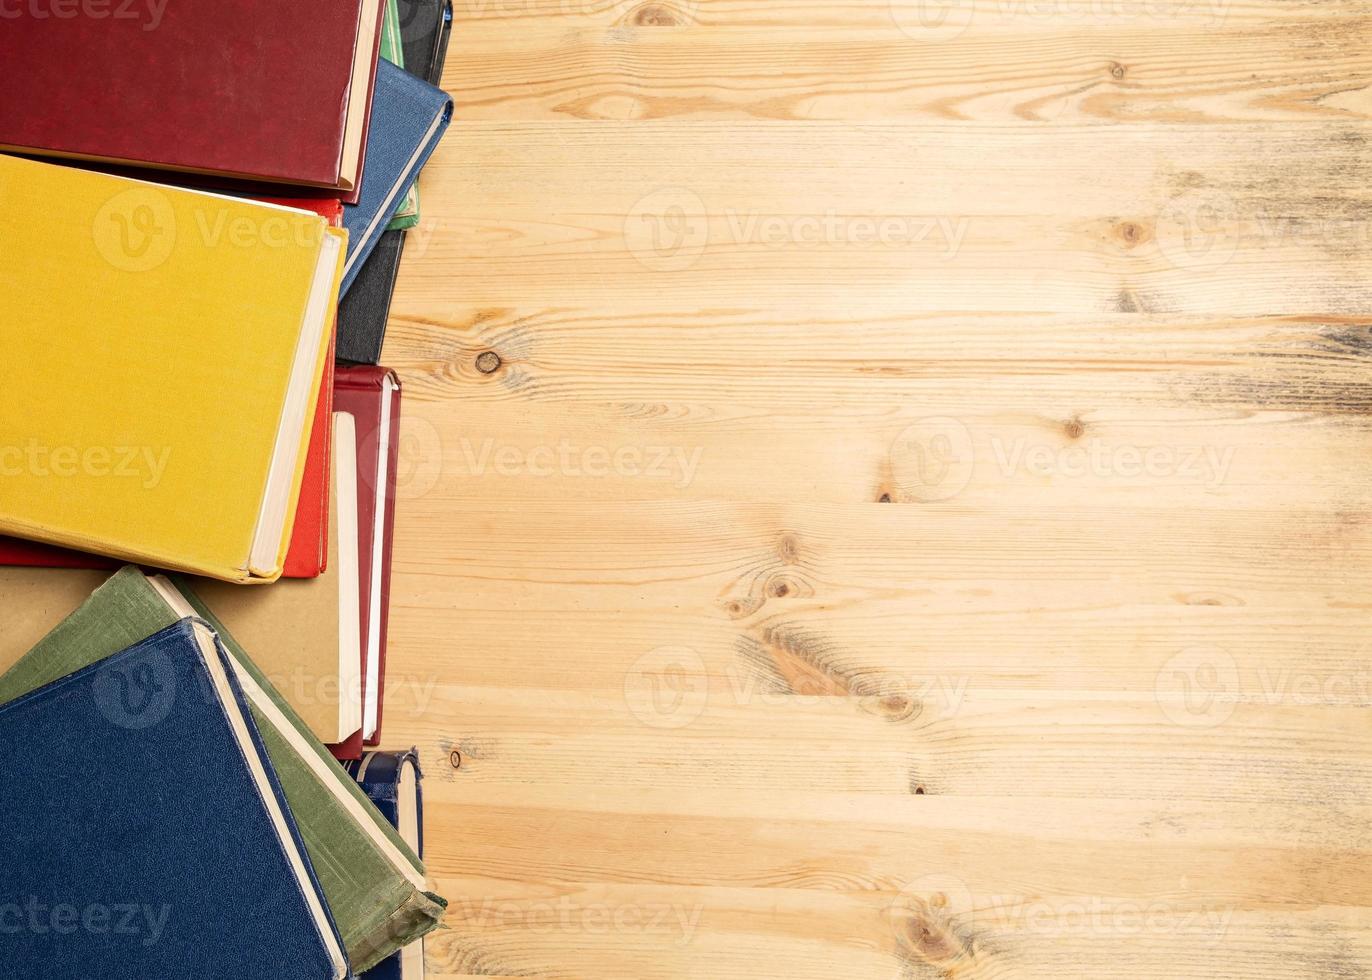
{"x":202,"y":211}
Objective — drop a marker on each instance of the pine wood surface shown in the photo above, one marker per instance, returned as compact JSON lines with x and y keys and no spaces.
{"x":884,"y":491}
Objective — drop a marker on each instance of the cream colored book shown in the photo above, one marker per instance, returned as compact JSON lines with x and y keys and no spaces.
{"x":304,"y":633}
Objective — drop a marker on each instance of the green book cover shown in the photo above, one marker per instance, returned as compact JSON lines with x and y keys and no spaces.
{"x":407,"y":215}
{"x":373,"y":881}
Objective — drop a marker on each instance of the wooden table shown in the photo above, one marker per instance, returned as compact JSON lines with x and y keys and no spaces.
{"x":885,"y":490}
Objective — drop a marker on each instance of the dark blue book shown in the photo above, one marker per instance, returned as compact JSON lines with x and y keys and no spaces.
{"x":409,"y":117}
{"x":145,"y":834}
{"x":391,"y":780}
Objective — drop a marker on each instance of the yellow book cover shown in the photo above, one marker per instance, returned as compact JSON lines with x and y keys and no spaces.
{"x":163,"y":354}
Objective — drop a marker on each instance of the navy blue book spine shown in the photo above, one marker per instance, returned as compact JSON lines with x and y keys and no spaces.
{"x":280,"y":793}
{"x":378,"y":773}
{"x":409,"y":117}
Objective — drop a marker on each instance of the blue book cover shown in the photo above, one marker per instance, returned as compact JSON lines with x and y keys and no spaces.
{"x":409,"y":117}
{"x":145,"y":834}
{"x":391,"y":780}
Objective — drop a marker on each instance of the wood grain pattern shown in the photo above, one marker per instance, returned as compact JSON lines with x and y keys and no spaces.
{"x":883,"y":491}
{"x":1007,"y":66}
{"x":682,"y":215}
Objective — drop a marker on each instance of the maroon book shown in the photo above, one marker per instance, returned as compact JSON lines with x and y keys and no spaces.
{"x":348,"y":751}
{"x":254,"y":90}
{"x":372,"y":396}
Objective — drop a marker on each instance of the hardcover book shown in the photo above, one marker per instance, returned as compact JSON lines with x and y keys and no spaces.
{"x":142,"y":780}
{"x":393,"y":781}
{"x":372,"y":879}
{"x":390,"y":34}
{"x":409,"y":117}
{"x":425,"y":44}
{"x":371,"y":395}
{"x":164,"y":351}
{"x":407,"y":214}
{"x":425,"y":27}
{"x":306,"y":634}
{"x":364,"y":312}
{"x":255,"y":90}
{"x":307,"y":553}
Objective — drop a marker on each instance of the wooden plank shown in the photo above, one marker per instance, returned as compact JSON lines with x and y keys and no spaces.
{"x":1253,"y":219}
{"x":636,"y":20}
{"x":1063,"y":411}
{"x":991,"y":63}
{"x":871,"y":600}
{"x":1032,"y":745}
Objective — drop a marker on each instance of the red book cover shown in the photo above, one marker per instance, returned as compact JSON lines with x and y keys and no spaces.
{"x":308,"y":554}
{"x":372,"y":396}
{"x":257,"y":90}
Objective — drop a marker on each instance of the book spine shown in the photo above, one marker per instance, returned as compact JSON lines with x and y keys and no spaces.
{"x":379,"y":774}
